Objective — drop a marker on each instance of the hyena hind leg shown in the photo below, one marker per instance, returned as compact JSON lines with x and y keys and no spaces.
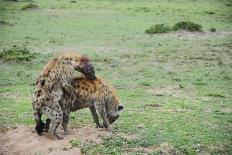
{"x":55,"y":115}
{"x":65,"y":122}
{"x":48,"y":121}
{"x":40,"y":126}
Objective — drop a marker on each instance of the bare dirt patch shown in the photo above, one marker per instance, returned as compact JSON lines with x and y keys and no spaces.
{"x":139,"y":150}
{"x":176,"y":91}
{"x":226,"y":110}
{"x":185,"y":34}
{"x":23,"y":140}
{"x":163,"y":148}
{"x":11,"y":95}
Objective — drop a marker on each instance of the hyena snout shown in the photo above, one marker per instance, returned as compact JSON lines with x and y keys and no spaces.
{"x":116,"y":115}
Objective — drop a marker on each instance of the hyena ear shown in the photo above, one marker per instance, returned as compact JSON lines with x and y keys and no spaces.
{"x":120,"y":108}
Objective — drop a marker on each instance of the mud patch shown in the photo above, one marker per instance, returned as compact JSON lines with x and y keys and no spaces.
{"x":23,"y":140}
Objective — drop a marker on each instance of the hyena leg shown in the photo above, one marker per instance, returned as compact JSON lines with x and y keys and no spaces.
{"x":39,"y":128}
{"x":102,"y":111}
{"x":55,"y":114}
{"x":48,"y":121}
{"x":95,"y":116}
{"x":65,"y":122}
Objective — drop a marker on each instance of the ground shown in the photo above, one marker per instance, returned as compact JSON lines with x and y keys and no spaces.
{"x":175,"y":86}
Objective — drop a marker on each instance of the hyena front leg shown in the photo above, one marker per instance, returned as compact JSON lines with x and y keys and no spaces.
{"x":95,"y":117}
{"x":55,"y":114}
{"x":102,"y":111}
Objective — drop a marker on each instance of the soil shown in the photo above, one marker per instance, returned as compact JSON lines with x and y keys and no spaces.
{"x":175,"y":91}
{"x":23,"y":140}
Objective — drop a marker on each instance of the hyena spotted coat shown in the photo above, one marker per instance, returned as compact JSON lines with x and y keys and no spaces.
{"x":98,"y":95}
{"x":55,"y":78}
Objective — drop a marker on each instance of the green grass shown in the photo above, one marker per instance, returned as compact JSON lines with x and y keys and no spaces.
{"x":146,"y":69}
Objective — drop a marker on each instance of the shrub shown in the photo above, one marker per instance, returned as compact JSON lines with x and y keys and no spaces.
{"x":11,"y":0}
{"x":30,"y":6}
{"x":2,"y":22}
{"x":143,"y":9}
{"x":158,"y":28}
{"x":17,"y":54}
{"x":187,"y":25}
{"x":212,"y":29}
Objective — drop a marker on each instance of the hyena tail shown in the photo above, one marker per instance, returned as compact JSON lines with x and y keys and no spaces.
{"x":40,"y":126}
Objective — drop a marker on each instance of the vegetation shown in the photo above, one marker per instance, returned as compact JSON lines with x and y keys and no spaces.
{"x":176,"y":88}
{"x":158,"y":28}
{"x":183,"y":25}
{"x":187,"y":25}
{"x":213,"y":29}
{"x":75,"y":143}
{"x":30,"y":6}
{"x":17,"y":54}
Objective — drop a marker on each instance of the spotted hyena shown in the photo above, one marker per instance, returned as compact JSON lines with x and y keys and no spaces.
{"x":55,"y":78}
{"x":98,"y":95}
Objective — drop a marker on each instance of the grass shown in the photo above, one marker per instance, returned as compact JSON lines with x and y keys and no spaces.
{"x":144,"y":68}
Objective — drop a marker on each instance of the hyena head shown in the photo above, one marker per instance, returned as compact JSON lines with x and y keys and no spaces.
{"x":86,"y":68}
{"x":80,"y":63}
{"x":113,"y":107}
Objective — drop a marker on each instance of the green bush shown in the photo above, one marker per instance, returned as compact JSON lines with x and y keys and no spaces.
{"x":2,"y":22}
{"x":17,"y":54}
{"x":158,"y":28}
{"x":213,"y":29}
{"x":143,"y":9}
{"x":187,"y":25}
{"x":30,"y":6}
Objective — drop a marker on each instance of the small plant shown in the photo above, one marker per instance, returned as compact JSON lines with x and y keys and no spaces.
{"x":2,"y":22}
{"x":17,"y":54}
{"x":11,"y":0}
{"x":143,"y":9}
{"x":215,"y":95}
{"x":212,"y":29}
{"x":158,"y":28}
{"x":210,"y":12}
{"x":30,"y":6}
{"x":75,"y":143}
{"x":187,"y":25}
